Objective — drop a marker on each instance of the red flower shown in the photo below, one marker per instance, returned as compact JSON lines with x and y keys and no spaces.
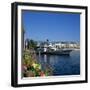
{"x":42,"y":73}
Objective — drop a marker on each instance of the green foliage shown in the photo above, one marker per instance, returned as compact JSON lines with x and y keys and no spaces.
{"x":31,"y":67}
{"x":32,"y":44}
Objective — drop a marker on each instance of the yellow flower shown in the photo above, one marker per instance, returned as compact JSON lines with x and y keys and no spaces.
{"x":36,"y":65}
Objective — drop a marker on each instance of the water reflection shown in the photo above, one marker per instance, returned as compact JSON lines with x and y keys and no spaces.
{"x":61,"y":65}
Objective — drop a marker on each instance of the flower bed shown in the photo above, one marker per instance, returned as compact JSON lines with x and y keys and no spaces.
{"x":30,"y":66}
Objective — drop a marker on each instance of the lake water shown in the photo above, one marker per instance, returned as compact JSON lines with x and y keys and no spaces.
{"x":61,"y":65}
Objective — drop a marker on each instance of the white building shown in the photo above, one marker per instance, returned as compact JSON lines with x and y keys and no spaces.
{"x":59,"y":45}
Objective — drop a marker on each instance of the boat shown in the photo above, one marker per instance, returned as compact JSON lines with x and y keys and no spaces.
{"x":57,"y":52}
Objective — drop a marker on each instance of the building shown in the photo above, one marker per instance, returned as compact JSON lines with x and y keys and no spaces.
{"x":58,"y":45}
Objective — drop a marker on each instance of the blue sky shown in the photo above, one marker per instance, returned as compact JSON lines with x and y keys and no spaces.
{"x":50,"y":25}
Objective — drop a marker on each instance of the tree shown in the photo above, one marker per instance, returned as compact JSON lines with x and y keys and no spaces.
{"x":32,"y":44}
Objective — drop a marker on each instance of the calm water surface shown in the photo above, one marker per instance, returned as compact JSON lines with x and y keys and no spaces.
{"x":61,"y":65}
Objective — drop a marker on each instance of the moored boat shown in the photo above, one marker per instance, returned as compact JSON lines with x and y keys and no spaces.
{"x":57,"y":52}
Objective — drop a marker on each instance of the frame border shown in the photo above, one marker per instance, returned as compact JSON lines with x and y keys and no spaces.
{"x":14,"y":43}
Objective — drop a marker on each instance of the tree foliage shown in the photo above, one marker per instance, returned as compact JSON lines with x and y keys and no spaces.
{"x":32,"y":44}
